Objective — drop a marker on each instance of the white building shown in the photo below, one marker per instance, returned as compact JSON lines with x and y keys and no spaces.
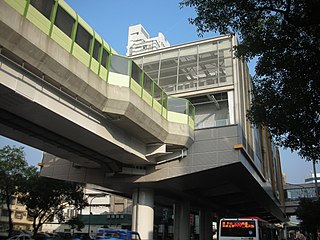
{"x":100,"y":203}
{"x":139,"y":41}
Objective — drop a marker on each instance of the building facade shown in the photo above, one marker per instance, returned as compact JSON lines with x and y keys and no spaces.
{"x":218,"y":84}
{"x":20,"y":218}
{"x":139,"y":41}
{"x":103,"y":210}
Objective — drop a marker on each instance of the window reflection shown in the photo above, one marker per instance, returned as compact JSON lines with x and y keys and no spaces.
{"x":64,"y":21}
{"x":119,"y":65}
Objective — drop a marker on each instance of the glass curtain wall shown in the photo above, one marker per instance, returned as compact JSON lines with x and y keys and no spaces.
{"x":168,"y":71}
{"x":150,"y":64}
{"x":225,"y":61}
{"x":196,"y":66}
{"x":208,"y":64}
{"x":189,"y":68}
{"x":187,"y":78}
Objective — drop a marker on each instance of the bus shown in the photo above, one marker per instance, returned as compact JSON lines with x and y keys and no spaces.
{"x":251,"y":228}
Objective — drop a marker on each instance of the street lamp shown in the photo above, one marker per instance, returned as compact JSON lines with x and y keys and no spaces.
{"x":90,"y":213}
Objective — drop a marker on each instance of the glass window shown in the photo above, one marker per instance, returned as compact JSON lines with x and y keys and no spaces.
{"x":177,"y":105}
{"x":96,"y":48}
{"x":151,"y":66}
{"x":157,"y":93}
{"x":168,"y":71}
{"x":83,"y":38}
{"x":105,"y":57}
{"x":187,"y":78}
{"x":208,"y":47}
{"x":43,"y":7}
{"x":18,"y":215}
{"x":138,"y":61}
{"x":64,"y":21}
{"x":136,"y":73}
{"x":225,"y":66}
{"x":191,"y":110}
{"x":226,"y":53}
{"x":226,"y":43}
{"x":164,"y":100}
{"x":119,"y":65}
{"x":208,"y":65}
{"x":147,"y":84}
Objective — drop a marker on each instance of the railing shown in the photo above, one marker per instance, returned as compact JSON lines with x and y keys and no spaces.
{"x":126,"y":73}
{"x":115,"y":69}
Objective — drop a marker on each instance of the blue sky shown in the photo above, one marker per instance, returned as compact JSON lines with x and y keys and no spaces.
{"x":111,"y":20}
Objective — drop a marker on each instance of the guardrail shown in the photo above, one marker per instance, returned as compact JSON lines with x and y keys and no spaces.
{"x":61,"y":23}
{"x":125,"y":72}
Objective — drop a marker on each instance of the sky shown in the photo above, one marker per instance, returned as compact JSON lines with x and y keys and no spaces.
{"x":111,"y":20}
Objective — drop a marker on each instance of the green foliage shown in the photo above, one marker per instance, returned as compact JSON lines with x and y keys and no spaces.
{"x":284,"y":38}
{"x":46,"y":198}
{"x":14,"y":171}
{"x":75,"y":223}
{"x":309,"y":213}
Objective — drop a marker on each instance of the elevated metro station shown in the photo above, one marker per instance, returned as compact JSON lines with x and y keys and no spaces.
{"x":166,"y":127}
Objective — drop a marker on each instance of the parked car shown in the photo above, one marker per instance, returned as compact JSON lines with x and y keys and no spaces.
{"x":43,"y":236}
{"x":104,"y":234}
{"x":61,"y":235}
{"x":21,"y":236}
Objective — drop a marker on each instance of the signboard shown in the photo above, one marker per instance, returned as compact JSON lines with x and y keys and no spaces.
{"x":238,"y":228}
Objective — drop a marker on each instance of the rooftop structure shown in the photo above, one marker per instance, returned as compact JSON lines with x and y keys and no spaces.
{"x":139,"y":41}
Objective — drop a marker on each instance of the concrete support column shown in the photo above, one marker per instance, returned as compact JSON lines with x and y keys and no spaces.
{"x":142,"y":213}
{"x":205,"y":224}
{"x":182,"y":221}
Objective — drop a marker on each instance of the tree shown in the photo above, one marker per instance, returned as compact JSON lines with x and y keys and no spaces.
{"x":283,"y":35}
{"x":14,"y":170}
{"x":46,"y":198}
{"x":75,"y":223}
{"x":309,"y":213}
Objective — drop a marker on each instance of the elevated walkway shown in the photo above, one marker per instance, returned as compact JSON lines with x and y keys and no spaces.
{"x":126,"y":116}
